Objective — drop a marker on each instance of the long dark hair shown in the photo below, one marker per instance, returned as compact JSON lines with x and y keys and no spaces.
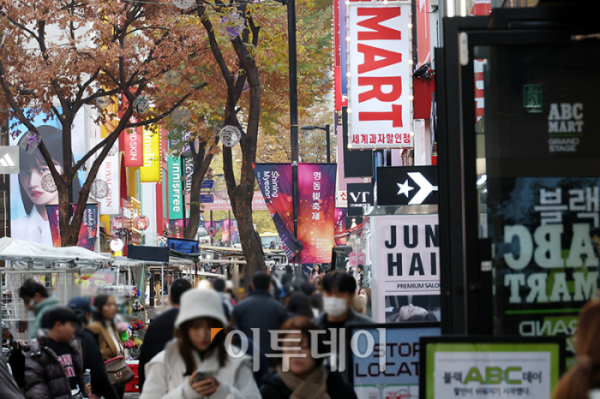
{"x":52,"y":138}
{"x":187,"y":349}
{"x":99,"y":303}
{"x":585,"y":375}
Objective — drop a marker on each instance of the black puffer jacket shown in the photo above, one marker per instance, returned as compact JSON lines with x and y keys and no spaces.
{"x":45,"y":376}
{"x":274,"y":388}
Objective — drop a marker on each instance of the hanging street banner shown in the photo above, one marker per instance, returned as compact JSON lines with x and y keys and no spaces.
{"x":175,"y":200}
{"x":316,"y":211}
{"x":150,"y":172}
{"x":87,"y":232}
{"x":133,"y":148}
{"x":546,"y":235}
{"x":400,"y":344}
{"x":275,"y":182}
{"x":490,"y":367}
{"x":108,"y":197}
{"x":407,"y":273}
{"x":381,"y":73}
{"x":225,"y":236}
{"x":316,"y":208}
{"x":212,"y":228}
{"x":234,"y":231}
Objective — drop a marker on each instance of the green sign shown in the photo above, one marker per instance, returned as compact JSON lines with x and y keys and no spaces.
{"x":175,"y":198}
{"x":496,"y":367}
{"x":532,"y":98}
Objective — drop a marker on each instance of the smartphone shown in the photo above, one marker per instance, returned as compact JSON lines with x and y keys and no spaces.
{"x":203,"y":375}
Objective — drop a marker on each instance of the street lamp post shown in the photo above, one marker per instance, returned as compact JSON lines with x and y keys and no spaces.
{"x":291,"y":11}
{"x":326,"y":130}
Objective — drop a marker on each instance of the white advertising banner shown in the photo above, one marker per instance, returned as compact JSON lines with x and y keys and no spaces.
{"x":380,"y":75}
{"x":406,"y":256}
{"x":107,"y":180}
{"x":492,"y":374}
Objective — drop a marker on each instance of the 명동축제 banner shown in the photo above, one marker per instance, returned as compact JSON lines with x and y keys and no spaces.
{"x":316,"y":211}
{"x":407,"y":268}
{"x":32,"y":189}
{"x":87,"y":232}
{"x":400,"y":344}
{"x":471,"y":367}
{"x":546,"y":267}
{"x":212,"y":228}
{"x":225,"y":233}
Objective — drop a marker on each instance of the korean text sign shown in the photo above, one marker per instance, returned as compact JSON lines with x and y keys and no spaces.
{"x":499,"y":368}
{"x":396,"y":346}
{"x":380,"y":82}
{"x":546,"y":230}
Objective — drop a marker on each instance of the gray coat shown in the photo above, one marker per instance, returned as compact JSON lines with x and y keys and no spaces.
{"x":45,"y":376}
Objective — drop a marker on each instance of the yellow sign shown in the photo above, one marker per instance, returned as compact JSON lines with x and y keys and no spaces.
{"x":151,"y":171}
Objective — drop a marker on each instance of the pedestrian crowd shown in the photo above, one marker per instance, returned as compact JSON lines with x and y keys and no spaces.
{"x":189,"y":353}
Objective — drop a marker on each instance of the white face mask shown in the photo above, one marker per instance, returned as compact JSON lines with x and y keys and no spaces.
{"x":335,"y":307}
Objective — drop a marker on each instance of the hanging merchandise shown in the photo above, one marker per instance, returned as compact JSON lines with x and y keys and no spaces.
{"x":99,"y":189}
{"x":48,"y":183}
{"x":183,"y":4}
{"x":181,"y":115}
{"x":232,"y":25}
{"x":141,"y":105}
{"x":30,"y":142}
{"x":230,"y":136}
{"x":173,"y":78}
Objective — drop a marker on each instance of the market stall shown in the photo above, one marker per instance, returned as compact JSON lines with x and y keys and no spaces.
{"x":66,"y":272}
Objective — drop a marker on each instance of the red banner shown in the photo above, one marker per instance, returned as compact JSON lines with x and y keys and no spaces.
{"x":133,"y":148}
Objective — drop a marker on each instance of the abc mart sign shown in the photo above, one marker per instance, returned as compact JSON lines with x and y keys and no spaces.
{"x":380,"y":75}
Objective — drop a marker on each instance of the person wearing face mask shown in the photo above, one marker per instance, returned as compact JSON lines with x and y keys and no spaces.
{"x":36,"y":298}
{"x":197,"y":364}
{"x":339,"y":289}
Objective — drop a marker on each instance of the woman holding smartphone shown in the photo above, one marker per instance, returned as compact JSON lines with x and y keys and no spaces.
{"x":193,"y":366}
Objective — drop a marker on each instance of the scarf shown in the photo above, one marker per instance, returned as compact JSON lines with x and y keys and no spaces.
{"x":313,"y":387}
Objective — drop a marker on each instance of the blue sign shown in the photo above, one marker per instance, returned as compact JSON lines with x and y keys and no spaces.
{"x":384,"y":359}
{"x":207,"y":198}
{"x":207,"y":184}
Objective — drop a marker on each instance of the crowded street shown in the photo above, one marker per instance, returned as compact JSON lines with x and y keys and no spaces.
{"x":285,"y":199}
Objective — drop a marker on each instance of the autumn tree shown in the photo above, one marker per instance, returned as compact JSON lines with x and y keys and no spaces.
{"x":249,"y":43}
{"x":60,"y":56}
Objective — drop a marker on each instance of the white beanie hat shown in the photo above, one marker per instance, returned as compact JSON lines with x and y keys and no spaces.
{"x":197,"y":303}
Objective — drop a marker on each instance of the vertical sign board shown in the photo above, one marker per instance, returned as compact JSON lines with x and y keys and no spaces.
{"x":394,"y":345}
{"x":381,"y":73}
{"x":476,"y":367}
{"x":406,"y":258}
{"x":109,"y":173}
{"x":132,"y":141}
{"x":175,"y":204}
{"x":150,"y":171}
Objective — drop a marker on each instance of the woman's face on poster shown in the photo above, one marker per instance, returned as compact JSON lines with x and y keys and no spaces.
{"x":31,"y":180}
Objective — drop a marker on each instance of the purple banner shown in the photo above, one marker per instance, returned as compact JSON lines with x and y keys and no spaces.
{"x":234,"y":232}
{"x":316,"y":206}
{"x":87,"y":232}
{"x":212,"y":228}
{"x":275,"y":182}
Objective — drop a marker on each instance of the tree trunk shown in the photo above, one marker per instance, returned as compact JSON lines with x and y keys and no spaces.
{"x":201,"y":165}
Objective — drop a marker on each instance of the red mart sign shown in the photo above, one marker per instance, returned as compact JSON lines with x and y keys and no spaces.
{"x":380,"y":81}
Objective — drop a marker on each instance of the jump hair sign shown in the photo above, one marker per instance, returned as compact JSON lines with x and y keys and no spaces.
{"x":380,"y":100}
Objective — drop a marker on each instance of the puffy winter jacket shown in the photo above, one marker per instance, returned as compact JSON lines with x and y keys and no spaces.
{"x":45,"y":376}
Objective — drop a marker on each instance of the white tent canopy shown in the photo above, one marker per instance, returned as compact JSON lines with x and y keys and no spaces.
{"x":20,"y":250}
